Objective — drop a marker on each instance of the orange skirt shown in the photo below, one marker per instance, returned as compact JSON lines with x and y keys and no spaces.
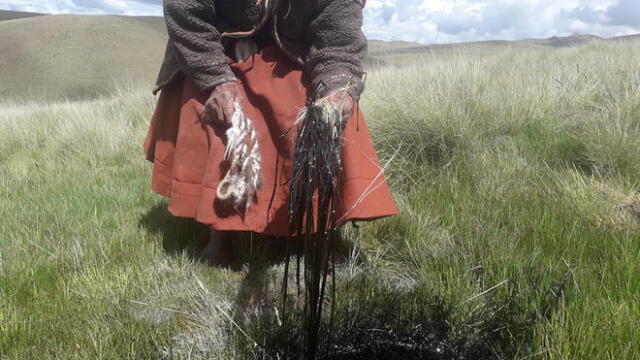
{"x":188,"y":154}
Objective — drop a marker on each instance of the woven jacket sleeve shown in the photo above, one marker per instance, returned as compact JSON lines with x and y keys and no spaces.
{"x":196,"y":42}
{"x":338,"y":46}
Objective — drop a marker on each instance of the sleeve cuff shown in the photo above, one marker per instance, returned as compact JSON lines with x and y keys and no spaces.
{"x":352,"y":84}
{"x":207,"y":84}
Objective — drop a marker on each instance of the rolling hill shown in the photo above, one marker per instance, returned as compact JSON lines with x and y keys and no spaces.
{"x":75,"y":56}
{"x":11,"y":15}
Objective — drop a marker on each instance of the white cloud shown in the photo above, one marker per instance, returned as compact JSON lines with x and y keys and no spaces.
{"x":439,"y":21}
{"x":93,"y":7}
{"x":428,"y":21}
{"x":626,"y":13}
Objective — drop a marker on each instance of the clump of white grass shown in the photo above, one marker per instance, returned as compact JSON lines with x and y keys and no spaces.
{"x":210,"y":326}
{"x":453,"y":105}
{"x":80,"y":131}
{"x":603,"y":202}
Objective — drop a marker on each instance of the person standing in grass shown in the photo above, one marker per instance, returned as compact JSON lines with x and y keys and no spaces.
{"x":266,"y":59}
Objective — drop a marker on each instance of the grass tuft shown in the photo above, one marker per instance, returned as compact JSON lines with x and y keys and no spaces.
{"x":515,"y":172}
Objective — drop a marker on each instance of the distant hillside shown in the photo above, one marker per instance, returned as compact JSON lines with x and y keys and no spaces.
{"x":397,"y":48}
{"x":73,"y":56}
{"x":566,"y":41}
{"x":627,"y":37}
{"x":77,"y":56}
{"x":11,"y":15}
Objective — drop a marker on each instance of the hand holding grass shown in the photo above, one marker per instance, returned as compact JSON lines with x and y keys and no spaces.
{"x":220,"y":106}
{"x":344,"y":100}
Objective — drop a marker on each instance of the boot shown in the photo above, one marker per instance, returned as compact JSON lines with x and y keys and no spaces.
{"x":219,"y":250}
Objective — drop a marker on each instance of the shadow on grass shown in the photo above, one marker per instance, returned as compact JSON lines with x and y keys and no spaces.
{"x":253,"y":253}
{"x":185,"y":235}
{"x":179,"y":235}
{"x":373,"y":319}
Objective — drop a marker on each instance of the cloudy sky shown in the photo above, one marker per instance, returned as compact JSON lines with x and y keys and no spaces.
{"x":429,"y":21}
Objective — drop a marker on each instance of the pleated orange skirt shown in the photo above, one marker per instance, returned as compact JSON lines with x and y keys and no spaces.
{"x":188,"y":153}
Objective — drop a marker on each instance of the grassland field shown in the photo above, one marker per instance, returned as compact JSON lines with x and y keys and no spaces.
{"x":516,"y":172}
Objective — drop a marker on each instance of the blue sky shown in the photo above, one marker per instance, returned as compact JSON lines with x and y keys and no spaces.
{"x":428,"y":21}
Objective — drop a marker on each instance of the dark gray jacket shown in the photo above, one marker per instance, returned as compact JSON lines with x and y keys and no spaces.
{"x":325,"y":36}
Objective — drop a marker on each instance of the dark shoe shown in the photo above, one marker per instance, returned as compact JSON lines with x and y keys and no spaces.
{"x":219,"y":250}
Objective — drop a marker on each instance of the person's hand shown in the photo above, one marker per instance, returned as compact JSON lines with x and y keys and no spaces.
{"x":345,"y":101}
{"x":220,"y":106}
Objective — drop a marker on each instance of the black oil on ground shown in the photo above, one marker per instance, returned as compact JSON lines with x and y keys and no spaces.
{"x":373,"y":320}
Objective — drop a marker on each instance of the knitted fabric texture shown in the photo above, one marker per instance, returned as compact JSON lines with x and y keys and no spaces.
{"x":325,"y":36}
{"x":243,"y":180}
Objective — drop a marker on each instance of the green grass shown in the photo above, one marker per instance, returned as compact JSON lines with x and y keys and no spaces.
{"x":519,"y":234}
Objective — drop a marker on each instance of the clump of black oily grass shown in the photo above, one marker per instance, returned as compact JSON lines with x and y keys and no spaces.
{"x":314,"y":193}
{"x":375,"y":320}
